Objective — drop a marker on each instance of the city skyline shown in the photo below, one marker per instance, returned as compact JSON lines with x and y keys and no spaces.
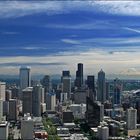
{"x":46,"y":35}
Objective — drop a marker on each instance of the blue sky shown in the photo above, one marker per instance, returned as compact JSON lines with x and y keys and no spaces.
{"x":55,"y":36}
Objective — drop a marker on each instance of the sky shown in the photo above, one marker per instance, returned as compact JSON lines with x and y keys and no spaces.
{"x":51,"y":36}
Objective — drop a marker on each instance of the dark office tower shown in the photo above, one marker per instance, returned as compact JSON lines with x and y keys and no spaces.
{"x":15,"y":93}
{"x":91,"y":86}
{"x":12,"y":110}
{"x":36,"y":100}
{"x":138,"y":110}
{"x":25,"y":77}
{"x":90,"y":82}
{"x":101,"y":91}
{"x":27,"y":100}
{"x":46,"y":83}
{"x":8,"y":95}
{"x":94,"y":113}
{"x":65,"y":73}
{"x":107,"y":90}
{"x":79,"y":76}
{"x":66,"y":83}
{"x":117,"y":92}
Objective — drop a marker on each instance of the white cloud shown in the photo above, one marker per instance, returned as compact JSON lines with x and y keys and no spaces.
{"x":118,"y":7}
{"x":21,"y":8}
{"x":10,"y":33}
{"x":93,"y":61}
{"x":70,"y":41}
{"x":33,"y":48}
{"x":133,"y":30}
{"x":96,"y":24}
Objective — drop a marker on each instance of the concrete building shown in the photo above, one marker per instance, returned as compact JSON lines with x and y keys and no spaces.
{"x":2,"y":90}
{"x":36,"y":100}
{"x":27,"y":127}
{"x":101,"y":91}
{"x":12,"y":110}
{"x":50,"y":101}
{"x":43,"y":107}
{"x":78,"y":110}
{"x":25,"y":77}
{"x":103,"y":133}
{"x":4,"y":130}
{"x":67,"y":117}
{"x":80,"y":96}
{"x":131,"y":116}
{"x":27,"y":100}
{"x":63,"y":97}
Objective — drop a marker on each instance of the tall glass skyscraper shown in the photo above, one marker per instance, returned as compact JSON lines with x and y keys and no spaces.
{"x":66,"y":83}
{"x":101,"y":92}
{"x":79,"y":76}
{"x":25,"y":77}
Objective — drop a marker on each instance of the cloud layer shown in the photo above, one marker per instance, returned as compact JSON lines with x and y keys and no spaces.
{"x":22,"y":8}
{"x":52,"y":36}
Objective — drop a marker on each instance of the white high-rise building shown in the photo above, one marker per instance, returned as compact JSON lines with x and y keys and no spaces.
{"x":25,"y":77}
{"x":2,"y":91}
{"x":131,"y":118}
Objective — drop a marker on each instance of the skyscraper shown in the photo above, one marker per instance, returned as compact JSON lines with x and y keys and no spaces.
{"x":12,"y":110}
{"x":25,"y":78}
{"x":91,"y":87}
{"x":2,"y":91}
{"x":66,"y":83}
{"x":79,"y":76}
{"x":46,"y":83}
{"x":50,"y":101}
{"x":65,"y":73}
{"x":101,"y":91}
{"x":1,"y":110}
{"x":90,"y":82}
{"x":37,"y":91}
{"x":131,"y":118}
{"x":27,"y":100}
{"x":94,"y":113}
